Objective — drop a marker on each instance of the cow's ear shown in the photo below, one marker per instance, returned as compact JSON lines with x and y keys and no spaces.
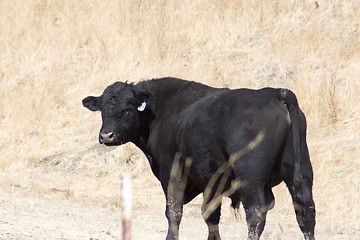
{"x":143,"y":98}
{"x":91,"y":103}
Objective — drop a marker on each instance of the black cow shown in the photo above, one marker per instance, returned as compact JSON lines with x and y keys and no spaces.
{"x":238,"y":143}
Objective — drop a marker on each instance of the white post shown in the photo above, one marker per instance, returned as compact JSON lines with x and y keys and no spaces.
{"x":126,"y":205}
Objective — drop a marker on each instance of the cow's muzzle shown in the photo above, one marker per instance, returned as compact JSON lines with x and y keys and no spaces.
{"x":106,"y":137}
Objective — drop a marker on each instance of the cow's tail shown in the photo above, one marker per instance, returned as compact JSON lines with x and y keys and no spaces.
{"x":292,"y":104}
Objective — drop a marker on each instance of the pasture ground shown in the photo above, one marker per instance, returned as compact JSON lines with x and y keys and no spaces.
{"x":57,"y":182}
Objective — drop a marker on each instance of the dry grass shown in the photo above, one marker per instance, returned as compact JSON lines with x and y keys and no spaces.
{"x":54,"y":53}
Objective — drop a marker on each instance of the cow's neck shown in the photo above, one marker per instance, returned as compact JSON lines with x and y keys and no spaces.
{"x":141,"y":143}
{"x":162,"y":90}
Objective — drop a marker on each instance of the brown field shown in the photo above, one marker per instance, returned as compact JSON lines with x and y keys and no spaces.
{"x":57,"y":182}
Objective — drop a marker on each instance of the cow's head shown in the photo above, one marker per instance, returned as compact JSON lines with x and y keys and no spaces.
{"x":121,"y":105}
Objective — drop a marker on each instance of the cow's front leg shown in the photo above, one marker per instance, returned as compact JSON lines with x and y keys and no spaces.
{"x":213,"y":224}
{"x":173,"y":213}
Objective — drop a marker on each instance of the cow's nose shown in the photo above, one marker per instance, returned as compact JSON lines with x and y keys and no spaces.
{"x":106,"y":137}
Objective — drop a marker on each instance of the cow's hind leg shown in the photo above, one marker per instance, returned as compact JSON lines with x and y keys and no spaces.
{"x":302,"y":194}
{"x":256,"y":210}
{"x":304,"y":208}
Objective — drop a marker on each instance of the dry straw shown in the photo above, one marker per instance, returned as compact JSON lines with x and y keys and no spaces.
{"x":54,"y":53}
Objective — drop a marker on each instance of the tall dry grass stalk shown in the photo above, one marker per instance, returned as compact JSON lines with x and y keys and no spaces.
{"x":54,"y":53}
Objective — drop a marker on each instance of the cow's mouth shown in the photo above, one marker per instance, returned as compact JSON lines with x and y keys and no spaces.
{"x":111,"y":144}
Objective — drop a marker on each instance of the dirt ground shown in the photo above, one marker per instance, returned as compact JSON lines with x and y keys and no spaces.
{"x":45,"y":203}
